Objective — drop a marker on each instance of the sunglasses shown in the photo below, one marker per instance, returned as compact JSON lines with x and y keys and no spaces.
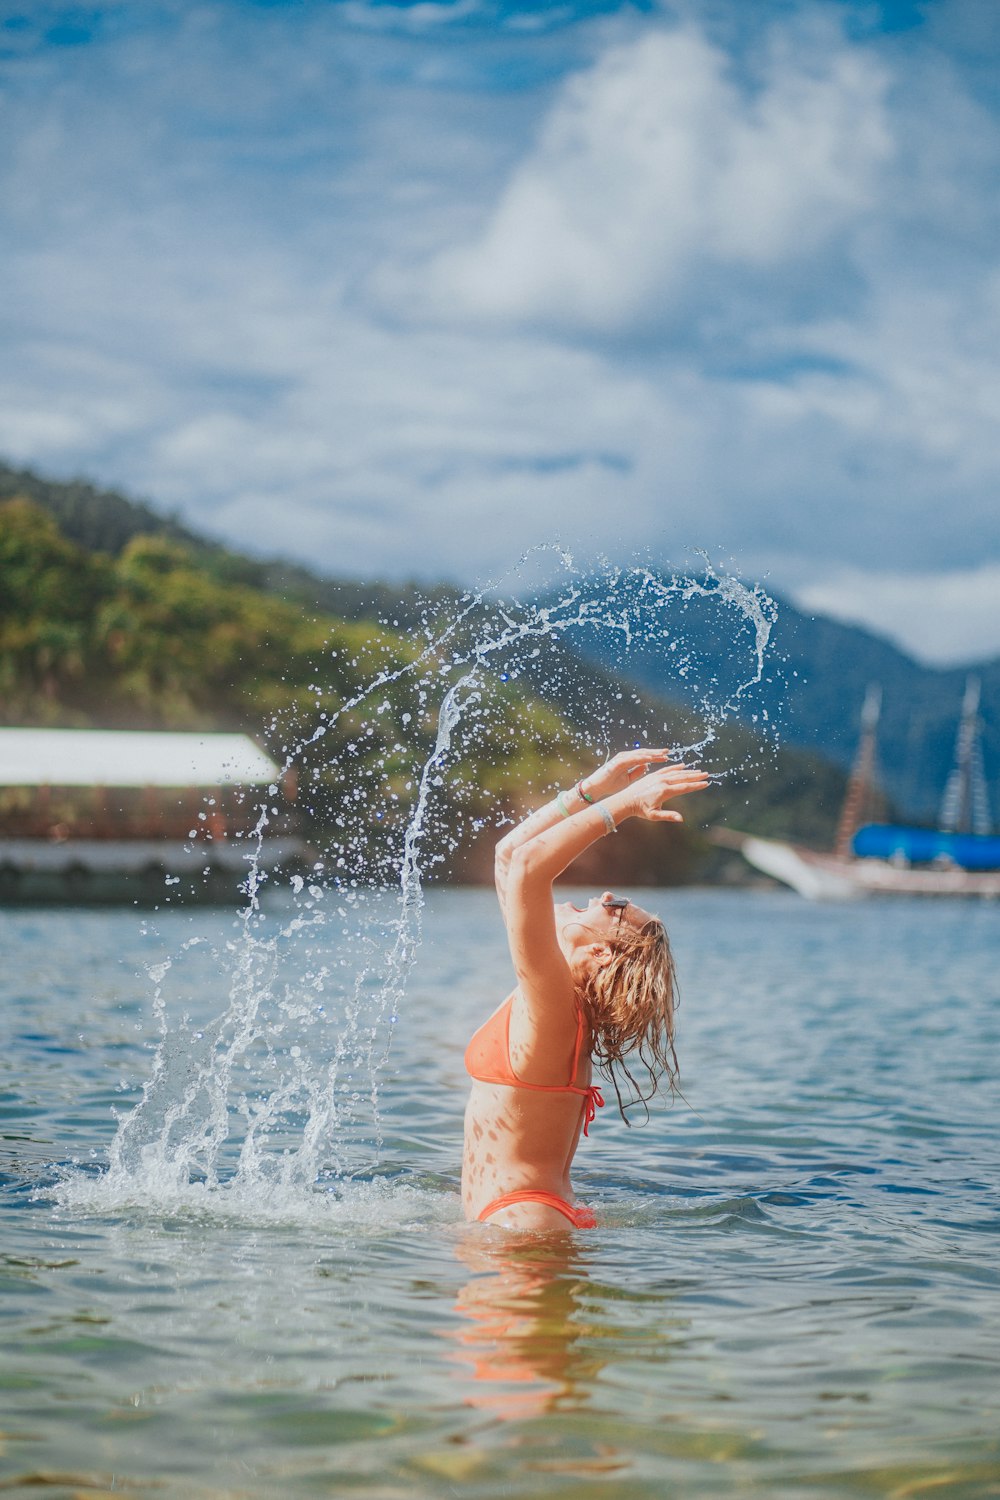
{"x":618,"y":904}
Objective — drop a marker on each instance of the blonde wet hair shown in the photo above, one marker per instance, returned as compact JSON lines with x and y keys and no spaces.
{"x":630,"y":1004}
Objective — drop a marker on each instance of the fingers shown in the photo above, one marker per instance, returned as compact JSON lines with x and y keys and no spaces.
{"x":673,"y":783}
{"x":642,"y":755}
{"x":661,"y":786}
{"x":655,"y":768}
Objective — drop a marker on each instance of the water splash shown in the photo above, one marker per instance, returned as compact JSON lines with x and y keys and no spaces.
{"x":276,"y":1093}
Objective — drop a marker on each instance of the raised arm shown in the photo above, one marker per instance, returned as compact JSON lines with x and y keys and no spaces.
{"x":613,"y":776}
{"x":534,"y":864}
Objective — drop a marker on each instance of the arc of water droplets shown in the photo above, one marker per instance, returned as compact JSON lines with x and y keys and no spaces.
{"x":193,"y":1073}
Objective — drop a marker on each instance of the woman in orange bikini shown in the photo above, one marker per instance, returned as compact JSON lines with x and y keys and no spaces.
{"x":592,"y":982}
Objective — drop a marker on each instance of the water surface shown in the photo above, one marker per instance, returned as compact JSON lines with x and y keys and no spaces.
{"x":792,"y":1292}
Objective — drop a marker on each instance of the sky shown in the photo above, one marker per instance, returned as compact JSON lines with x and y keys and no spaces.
{"x":403,"y":290}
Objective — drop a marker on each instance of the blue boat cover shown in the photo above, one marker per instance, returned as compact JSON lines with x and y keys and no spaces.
{"x":922,"y":846}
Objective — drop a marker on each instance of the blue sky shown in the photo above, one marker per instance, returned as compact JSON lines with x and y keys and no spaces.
{"x":404,"y":289}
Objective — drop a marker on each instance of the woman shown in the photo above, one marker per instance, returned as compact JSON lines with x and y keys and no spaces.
{"x":595,"y":981}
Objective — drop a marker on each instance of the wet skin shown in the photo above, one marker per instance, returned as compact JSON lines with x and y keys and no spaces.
{"x":515,"y":1138}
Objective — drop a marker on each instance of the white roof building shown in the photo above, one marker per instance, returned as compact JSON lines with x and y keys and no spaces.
{"x":126,"y":757}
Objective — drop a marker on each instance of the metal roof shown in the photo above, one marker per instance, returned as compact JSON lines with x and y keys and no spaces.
{"x":127,"y":757}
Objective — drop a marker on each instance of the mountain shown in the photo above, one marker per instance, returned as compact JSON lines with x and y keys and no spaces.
{"x":815,"y":675}
{"x":112,"y":616}
{"x":920,"y":706}
{"x":816,"y":672}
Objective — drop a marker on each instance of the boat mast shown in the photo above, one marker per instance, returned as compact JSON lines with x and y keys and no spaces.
{"x":861,"y":787}
{"x":965,"y":805}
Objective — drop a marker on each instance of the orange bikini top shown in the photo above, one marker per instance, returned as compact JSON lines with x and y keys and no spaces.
{"x":487,"y":1059}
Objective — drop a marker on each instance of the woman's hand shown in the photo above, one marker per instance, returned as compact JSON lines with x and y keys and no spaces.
{"x":621,"y":771}
{"x":646,"y":797}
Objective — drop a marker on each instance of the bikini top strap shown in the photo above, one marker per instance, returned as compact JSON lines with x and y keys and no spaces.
{"x":578,"y":1044}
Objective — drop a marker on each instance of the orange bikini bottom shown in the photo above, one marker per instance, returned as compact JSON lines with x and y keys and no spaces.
{"x":580,"y":1217}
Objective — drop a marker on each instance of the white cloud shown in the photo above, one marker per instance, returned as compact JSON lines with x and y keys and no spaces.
{"x":943,"y":618}
{"x":745,"y":303}
{"x":654,"y":161}
{"x":415,"y":17}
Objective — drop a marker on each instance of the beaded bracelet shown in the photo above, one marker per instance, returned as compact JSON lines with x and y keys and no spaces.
{"x":583,"y":794}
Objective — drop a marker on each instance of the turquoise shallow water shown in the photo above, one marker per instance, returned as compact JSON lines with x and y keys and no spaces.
{"x":792,"y":1292}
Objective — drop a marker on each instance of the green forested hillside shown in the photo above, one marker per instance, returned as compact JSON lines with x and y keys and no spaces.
{"x":147,"y":638}
{"x":105,"y":521}
{"x":813,"y":700}
{"x":163,"y":631}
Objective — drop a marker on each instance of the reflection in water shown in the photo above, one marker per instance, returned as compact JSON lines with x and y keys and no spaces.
{"x":524,"y":1334}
